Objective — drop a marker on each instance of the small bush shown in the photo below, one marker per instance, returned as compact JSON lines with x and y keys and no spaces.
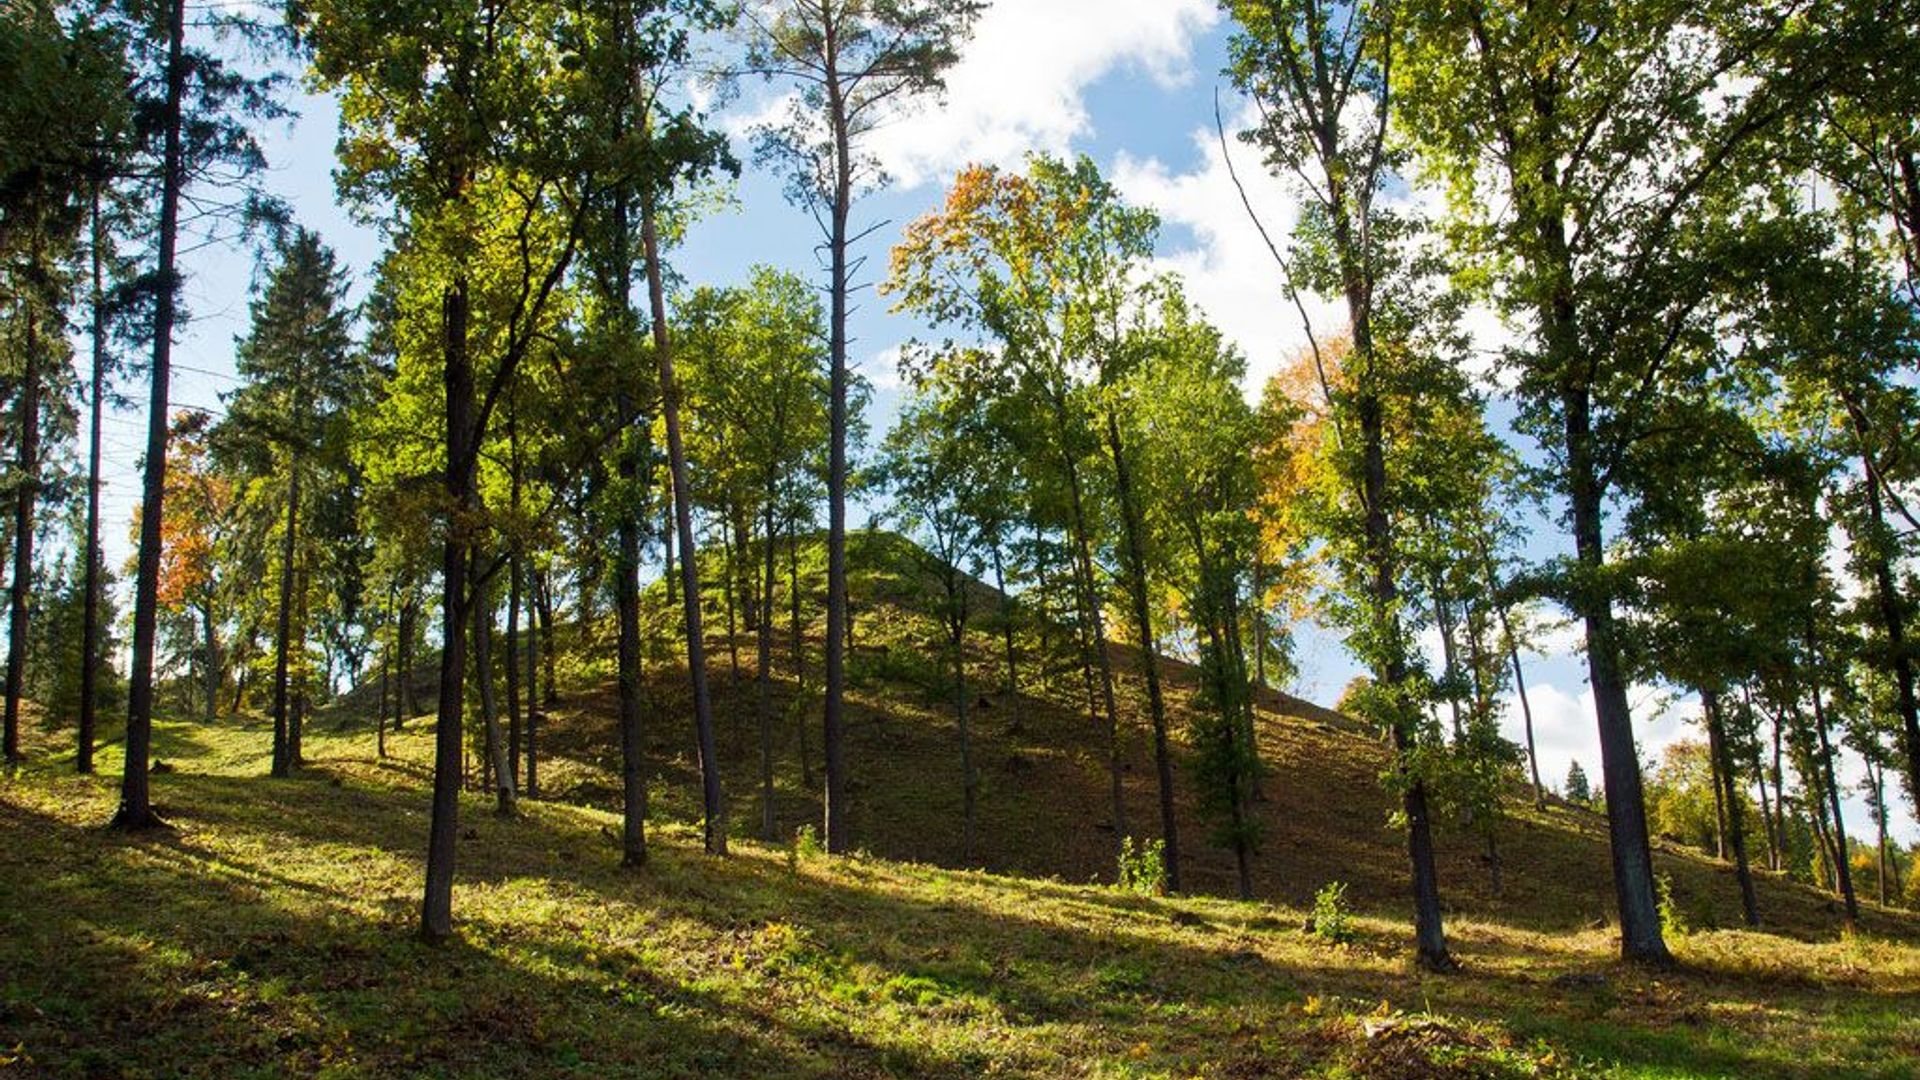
{"x":1143,"y":866}
{"x":1332,"y":919}
{"x":1673,"y":923}
{"x":806,"y":845}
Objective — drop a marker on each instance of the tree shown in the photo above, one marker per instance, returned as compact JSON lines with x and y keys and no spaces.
{"x":204,"y":505}
{"x":62,"y":111}
{"x":1612,"y":138}
{"x":286,"y":420}
{"x":939,"y":484}
{"x":854,"y":64}
{"x":201,"y":117}
{"x":1576,"y":789}
{"x":644,"y":149}
{"x":758,"y":403}
{"x":449,"y":114}
{"x":1323,"y":79}
{"x":1191,"y":424}
{"x":1047,"y":268}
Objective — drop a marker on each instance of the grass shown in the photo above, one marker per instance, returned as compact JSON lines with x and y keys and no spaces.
{"x":271,"y":934}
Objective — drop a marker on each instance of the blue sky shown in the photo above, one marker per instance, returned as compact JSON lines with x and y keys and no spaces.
{"x":1131,"y":83}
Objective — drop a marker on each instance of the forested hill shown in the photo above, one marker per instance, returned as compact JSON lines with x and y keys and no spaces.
{"x":1321,"y":812}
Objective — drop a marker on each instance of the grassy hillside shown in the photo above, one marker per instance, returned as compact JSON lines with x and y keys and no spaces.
{"x":1044,"y":804}
{"x":271,"y":934}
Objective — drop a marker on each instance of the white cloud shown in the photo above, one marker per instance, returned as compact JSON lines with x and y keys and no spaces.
{"x":1565,"y":728}
{"x":1229,"y":271}
{"x":882,"y":369}
{"x":1021,"y":81}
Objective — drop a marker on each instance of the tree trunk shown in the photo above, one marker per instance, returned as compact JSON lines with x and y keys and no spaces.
{"x":404,"y":705}
{"x":1729,"y":791}
{"x":297,"y":725}
{"x":1006,"y":630}
{"x":1094,"y":639}
{"x":210,"y":637}
{"x":380,"y":719}
{"x":533,"y":687}
{"x":544,"y":594}
{"x":90,"y":650}
{"x":1640,"y":935}
{"x":1718,"y":775}
{"x":1842,"y":864}
{"x":1149,"y":654}
{"x":633,"y":751}
{"x":956,"y":637}
{"x":512,"y":664}
{"x":1893,"y":622}
{"x":136,"y":809}
{"x":512,"y":670}
{"x":712,"y":800}
{"x":764,"y":677}
{"x":729,"y":556}
{"x":436,"y":914}
{"x":496,"y":749}
{"x":27,"y":488}
{"x":1526,"y":712}
{"x":834,"y":713}
{"x":1877,"y":791}
{"x":283,"y":758}
{"x":799,"y":655}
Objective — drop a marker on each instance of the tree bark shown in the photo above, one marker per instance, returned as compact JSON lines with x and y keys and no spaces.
{"x":1729,"y":791}
{"x":1149,"y":651}
{"x":25,"y":492}
{"x":283,"y":757}
{"x":544,"y":594}
{"x":90,"y":647}
{"x":956,"y":637}
{"x":713,"y":802}
{"x":136,"y":808}
{"x":1006,"y":630}
{"x":436,"y":915}
{"x":834,"y":714}
{"x":1893,"y":622}
{"x":533,"y":687}
{"x":633,"y":766}
{"x":512,"y":645}
{"x":496,"y":749}
{"x":799,"y":654}
{"x":1842,"y":864}
{"x":1094,"y":644}
{"x":764,"y":677}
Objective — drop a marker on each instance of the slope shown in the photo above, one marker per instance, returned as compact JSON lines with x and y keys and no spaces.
{"x":270,"y":934}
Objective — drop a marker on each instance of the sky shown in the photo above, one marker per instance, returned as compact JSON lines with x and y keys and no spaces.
{"x":1132,"y":83}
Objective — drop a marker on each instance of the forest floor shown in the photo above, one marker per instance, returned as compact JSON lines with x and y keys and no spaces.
{"x":270,"y":932}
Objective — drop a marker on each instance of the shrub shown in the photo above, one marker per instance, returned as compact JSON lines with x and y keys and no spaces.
{"x":1143,"y":866}
{"x":806,"y":845}
{"x":1332,"y":919}
{"x":1673,"y":923}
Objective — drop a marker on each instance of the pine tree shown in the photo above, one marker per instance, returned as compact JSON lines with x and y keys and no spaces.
{"x":1576,"y":790}
{"x":285,"y":427}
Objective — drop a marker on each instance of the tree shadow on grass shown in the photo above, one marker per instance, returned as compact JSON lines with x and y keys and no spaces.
{"x":767,"y":969}
{"x":142,"y":963}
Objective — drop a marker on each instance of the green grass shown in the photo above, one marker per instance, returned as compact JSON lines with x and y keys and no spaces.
{"x":271,"y":934}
